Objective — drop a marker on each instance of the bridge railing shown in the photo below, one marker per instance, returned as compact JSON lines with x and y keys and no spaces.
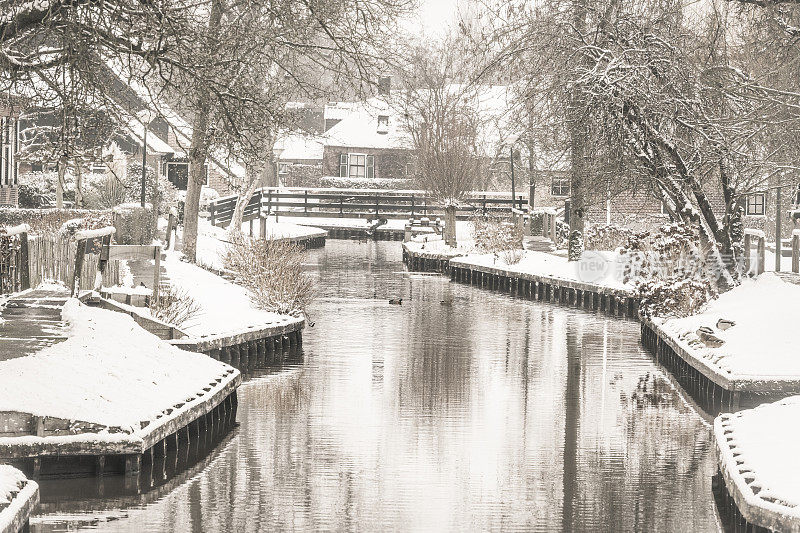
{"x":336,"y":203}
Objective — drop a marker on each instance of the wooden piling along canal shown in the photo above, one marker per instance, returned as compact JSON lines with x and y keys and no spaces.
{"x":55,"y":447}
{"x":529,"y":286}
{"x":713,"y":390}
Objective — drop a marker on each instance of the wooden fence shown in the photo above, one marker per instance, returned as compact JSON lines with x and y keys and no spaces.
{"x":334,"y":203}
{"x":29,"y":260}
{"x":52,"y":258}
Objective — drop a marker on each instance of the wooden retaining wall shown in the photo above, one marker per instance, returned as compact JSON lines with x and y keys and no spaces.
{"x":182,"y":425}
{"x":15,"y":518}
{"x":529,"y":286}
{"x":380,"y":234}
{"x":251,"y":349}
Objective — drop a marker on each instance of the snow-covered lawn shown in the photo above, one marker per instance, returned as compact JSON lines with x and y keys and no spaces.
{"x":226,"y":306}
{"x":762,"y":342}
{"x":212,"y":241}
{"x":600,"y":269}
{"x":765,"y":440}
{"x":109,"y":371}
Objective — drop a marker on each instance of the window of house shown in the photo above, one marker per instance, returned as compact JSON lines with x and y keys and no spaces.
{"x":560,"y":187}
{"x":756,"y":204}
{"x":409,"y":170}
{"x":356,"y":166}
{"x":97,"y":168}
{"x":177,"y":173}
{"x":283,"y":168}
{"x":383,"y":124}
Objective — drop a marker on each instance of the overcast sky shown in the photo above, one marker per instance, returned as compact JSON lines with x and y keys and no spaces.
{"x":434,"y":17}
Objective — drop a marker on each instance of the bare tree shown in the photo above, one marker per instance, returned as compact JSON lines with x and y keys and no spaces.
{"x":444,"y":123}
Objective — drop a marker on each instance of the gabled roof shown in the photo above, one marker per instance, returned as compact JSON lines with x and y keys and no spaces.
{"x":299,"y":146}
{"x":360,"y":129}
{"x":182,"y":131}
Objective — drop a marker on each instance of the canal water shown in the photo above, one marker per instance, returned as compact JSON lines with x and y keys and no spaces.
{"x":460,"y":409}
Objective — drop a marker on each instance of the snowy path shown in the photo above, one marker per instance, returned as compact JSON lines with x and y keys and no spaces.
{"x":31,"y":321}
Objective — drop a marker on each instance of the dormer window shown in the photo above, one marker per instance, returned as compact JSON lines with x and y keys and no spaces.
{"x":383,"y":124}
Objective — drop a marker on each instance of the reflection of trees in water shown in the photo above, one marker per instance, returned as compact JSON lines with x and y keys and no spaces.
{"x":656,"y":474}
{"x":483,"y":414}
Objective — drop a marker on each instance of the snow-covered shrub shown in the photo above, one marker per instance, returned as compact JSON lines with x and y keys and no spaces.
{"x":175,"y":306}
{"x":43,"y":220}
{"x":500,"y":237}
{"x":273,"y":273}
{"x":37,"y":189}
{"x":670,"y":270}
{"x":167,"y":193}
{"x":133,"y":223}
{"x":575,"y":246}
{"x":95,"y":220}
{"x":674,"y":296}
{"x":606,"y":237}
{"x":364,"y":183}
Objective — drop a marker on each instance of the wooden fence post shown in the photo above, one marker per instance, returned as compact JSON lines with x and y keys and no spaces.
{"x":747,"y":251}
{"x":796,"y":251}
{"x":761,"y":254}
{"x":80,"y":251}
{"x":24,"y":262}
{"x":305,"y":201}
{"x":341,"y":206}
{"x":171,"y":228}
{"x":262,"y":226}
{"x":156,"y":276}
{"x":412,"y":205}
{"x":211,"y":208}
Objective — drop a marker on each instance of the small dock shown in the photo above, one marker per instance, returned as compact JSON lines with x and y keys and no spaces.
{"x":48,"y":446}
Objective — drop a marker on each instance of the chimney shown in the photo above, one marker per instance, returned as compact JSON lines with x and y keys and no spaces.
{"x":384,"y":85}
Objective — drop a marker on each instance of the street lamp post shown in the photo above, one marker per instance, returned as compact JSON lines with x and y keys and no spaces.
{"x":146,"y":117}
{"x":513,"y":190}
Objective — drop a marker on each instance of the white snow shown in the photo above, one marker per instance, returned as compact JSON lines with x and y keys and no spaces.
{"x":606,"y":272}
{"x":16,"y":230}
{"x":212,"y":241}
{"x":11,"y":481}
{"x":226,"y":306}
{"x":109,"y":371}
{"x":94,"y":233}
{"x":766,"y":439}
{"x":754,"y":232}
{"x":761,"y":343}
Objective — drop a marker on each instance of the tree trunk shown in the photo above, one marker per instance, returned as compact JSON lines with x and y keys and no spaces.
{"x":156,"y":204}
{"x":198,"y":150}
{"x":450,"y":225}
{"x":255,"y":174}
{"x":578,"y":144}
{"x":62,"y":167}
{"x":78,"y":186}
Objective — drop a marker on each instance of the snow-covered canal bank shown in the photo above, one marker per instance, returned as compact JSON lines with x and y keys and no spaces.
{"x":460,"y":409}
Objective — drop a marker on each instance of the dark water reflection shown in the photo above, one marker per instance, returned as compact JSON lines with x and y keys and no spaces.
{"x":457,"y":410}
